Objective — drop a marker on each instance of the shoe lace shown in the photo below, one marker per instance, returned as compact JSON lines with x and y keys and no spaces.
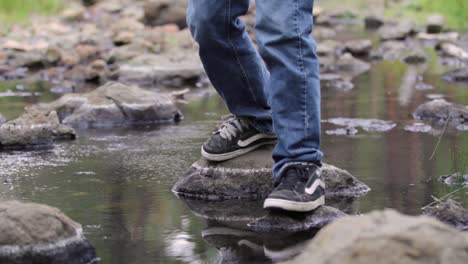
{"x":232,"y":127}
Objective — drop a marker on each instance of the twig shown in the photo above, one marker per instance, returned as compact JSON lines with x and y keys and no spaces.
{"x":443,"y":197}
{"x":441,"y":135}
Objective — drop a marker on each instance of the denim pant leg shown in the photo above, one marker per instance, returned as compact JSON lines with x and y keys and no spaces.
{"x":284,"y":37}
{"x":230,"y":59}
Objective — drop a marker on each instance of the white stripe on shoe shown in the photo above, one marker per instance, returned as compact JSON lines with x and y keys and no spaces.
{"x":245,"y":143}
{"x":233,"y":154}
{"x":318,"y":182}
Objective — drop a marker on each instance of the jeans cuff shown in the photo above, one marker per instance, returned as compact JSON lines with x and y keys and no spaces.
{"x":263,"y":126}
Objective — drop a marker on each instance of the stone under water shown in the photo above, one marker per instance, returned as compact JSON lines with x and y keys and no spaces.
{"x":386,"y":237}
{"x":39,"y":234}
{"x":249,"y":177}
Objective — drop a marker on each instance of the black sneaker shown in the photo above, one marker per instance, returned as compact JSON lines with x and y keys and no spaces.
{"x":299,"y":189}
{"x":235,"y":137}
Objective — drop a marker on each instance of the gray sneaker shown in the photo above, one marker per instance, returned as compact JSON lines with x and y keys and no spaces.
{"x":235,"y":137}
{"x":299,"y":189}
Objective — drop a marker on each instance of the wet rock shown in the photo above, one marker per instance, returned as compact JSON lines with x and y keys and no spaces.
{"x":415,"y":56}
{"x":90,"y":2}
{"x":114,"y":104}
{"x":33,"y":128}
{"x":249,"y":177}
{"x":423,"y":86}
{"x":456,"y":178}
{"x":435,"y":23}
{"x":96,"y":72}
{"x":457,"y":76}
{"x":449,"y":36}
{"x":373,"y":22}
{"x":369,"y":125}
{"x":323,"y":33}
{"x":418,"y":127}
{"x":123,"y":38}
{"x":449,"y":212}
{"x":439,"y":111}
{"x":399,"y":31}
{"x":389,"y":50}
{"x":349,"y":131}
{"x":39,"y":234}
{"x":336,"y":81}
{"x":166,"y":70}
{"x":2,"y":120}
{"x":452,"y":50}
{"x":74,"y":13}
{"x":160,"y":12}
{"x":386,"y":237}
{"x":328,"y":48}
{"x":31,"y":59}
{"x":350,"y":66}
{"x":360,"y":47}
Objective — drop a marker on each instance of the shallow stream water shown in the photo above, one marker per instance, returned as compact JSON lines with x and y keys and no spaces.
{"x":117,"y":183}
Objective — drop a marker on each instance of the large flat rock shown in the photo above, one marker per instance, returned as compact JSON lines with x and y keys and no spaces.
{"x":249,"y":177}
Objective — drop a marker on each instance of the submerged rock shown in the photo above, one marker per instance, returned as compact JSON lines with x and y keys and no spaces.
{"x":435,"y":23}
{"x":369,"y":125}
{"x":457,"y":76}
{"x":449,"y":212}
{"x":418,"y":127}
{"x":439,"y":111}
{"x":39,"y":234}
{"x":249,"y":177}
{"x":114,"y":104}
{"x":399,"y":31}
{"x":456,"y":178}
{"x":336,"y":81}
{"x":34,"y":128}
{"x":360,"y":47}
{"x":386,"y":237}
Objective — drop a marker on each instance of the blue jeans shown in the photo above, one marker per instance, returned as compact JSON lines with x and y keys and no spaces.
{"x":277,"y":86}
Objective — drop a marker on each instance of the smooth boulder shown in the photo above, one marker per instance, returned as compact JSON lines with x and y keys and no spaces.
{"x":114,"y":104}
{"x":39,"y":234}
{"x":386,"y":237}
{"x":249,"y":177}
{"x":33,"y":129}
{"x":450,"y":212}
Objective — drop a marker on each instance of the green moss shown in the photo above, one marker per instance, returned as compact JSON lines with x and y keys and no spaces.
{"x":13,"y":11}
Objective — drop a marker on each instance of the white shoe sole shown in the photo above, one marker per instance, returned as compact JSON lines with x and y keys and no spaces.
{"x":233,"y":154}
{"x":271,"y":203}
